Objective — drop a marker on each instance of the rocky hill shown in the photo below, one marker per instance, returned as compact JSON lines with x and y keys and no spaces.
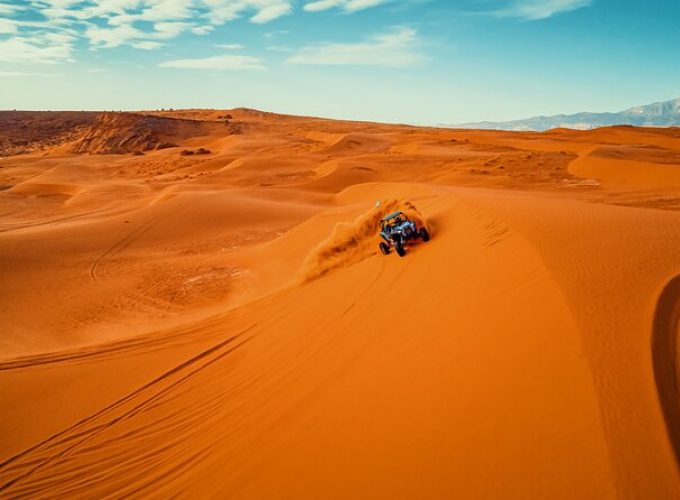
{"x":27,"y":131}
{"x":120,"y":133}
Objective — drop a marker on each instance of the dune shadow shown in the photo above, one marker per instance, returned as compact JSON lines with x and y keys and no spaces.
{"x":664,"y":349}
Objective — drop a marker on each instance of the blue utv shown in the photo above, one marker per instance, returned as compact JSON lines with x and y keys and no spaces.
{"x":396,"y":230}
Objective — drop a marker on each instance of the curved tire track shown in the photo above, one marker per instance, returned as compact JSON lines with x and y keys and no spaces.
{"x":26,"y":463}
{"x":123,"y":242}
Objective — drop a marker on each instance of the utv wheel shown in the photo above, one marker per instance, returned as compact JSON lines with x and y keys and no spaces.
{"x":424,"y":234}
{"x":384,"y":248}
{"x":400,"y":249}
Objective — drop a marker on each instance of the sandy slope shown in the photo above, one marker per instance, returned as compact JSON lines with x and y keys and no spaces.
{"x":222,"y":324}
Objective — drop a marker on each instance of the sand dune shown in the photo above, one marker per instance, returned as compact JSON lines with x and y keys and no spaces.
{"x":224,"y":325}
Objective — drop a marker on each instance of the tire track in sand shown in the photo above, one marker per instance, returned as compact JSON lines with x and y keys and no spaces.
{"x":26,"y":463}
{"x":122,"y":244}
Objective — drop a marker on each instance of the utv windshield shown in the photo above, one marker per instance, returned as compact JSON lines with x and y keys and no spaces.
{"x":395,"y":218}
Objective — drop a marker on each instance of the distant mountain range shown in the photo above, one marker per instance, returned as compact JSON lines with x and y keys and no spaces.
{"x":659,"y":114}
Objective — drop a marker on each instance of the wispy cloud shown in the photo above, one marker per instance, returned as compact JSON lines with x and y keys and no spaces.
{"x":7,"y":9}
{"x":105,"y":24}
{"x":271,"y":12}
{"x":8,"y":26}
{"x":4,"y":74}
{"x":142,"y":24}
{"x":228,"y":62}
{"x":279,"y":48}
{"x":260,"y":11}
{"x":51,"y":48}
{"x":534,"y":10}
{"x":276,"y":33}
{"x":347,"y":5}
{"x":394,"y":49}
{"x":13,"y":73}
{"x":229,"y":46}
{"x":113,"y":37}
{"x":147,"y":45}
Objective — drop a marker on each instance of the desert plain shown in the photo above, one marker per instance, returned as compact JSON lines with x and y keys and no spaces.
{"x":193,"y":304}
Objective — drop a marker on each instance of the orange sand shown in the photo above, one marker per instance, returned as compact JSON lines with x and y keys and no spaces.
{"x":223,"y":324}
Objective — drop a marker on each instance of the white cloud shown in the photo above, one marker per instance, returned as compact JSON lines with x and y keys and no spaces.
{"x":395,"y":49}
{"x":228,"y":62}
{"x":163,"y":10}
{"x":534,"y":10}
{"x":4,"y":74}
{"x":147,"y":45}
{"x":354,"y":5}
{"x":167,"y":30}
{"x":114,"y":23}
{"x":112,"y":37}
{"x":58,"y":38}
{"x":263,"y":11}
{"x":7,"y":9}
{"x":273,"y":34}
{"x":321,"y":5}
{"x":271,"y":12}
{"x":202,"y":30}
{"x":347,"y":5}
{"x":105,"y":37}
{"x":34,"y":50}
{"x":229,"y":46}
{"x":8,"y":26}
{"x":279,"y":48}
{"x":104,"y":24}
{"x":13,"y":73}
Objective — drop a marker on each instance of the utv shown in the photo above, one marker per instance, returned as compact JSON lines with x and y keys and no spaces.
{"x":396,"y":230}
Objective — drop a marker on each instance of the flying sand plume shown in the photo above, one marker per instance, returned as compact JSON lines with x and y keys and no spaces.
{"x":352,"y":242}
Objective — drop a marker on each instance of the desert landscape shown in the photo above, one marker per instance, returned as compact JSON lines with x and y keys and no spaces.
{"x":194,"y":304}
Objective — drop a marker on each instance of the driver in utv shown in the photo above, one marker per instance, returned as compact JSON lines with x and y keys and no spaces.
{"x":396,"y":230}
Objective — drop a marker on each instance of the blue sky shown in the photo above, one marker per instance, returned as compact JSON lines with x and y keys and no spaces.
{"x":415,"y":61}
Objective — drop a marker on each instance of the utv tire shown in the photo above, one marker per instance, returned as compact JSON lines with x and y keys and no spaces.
{"x":424,"y":234}
{"x":400,"y":249}
{"x":384,"y":248}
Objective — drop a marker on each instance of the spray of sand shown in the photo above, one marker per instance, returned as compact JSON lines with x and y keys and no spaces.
{"x":352,"y":242}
